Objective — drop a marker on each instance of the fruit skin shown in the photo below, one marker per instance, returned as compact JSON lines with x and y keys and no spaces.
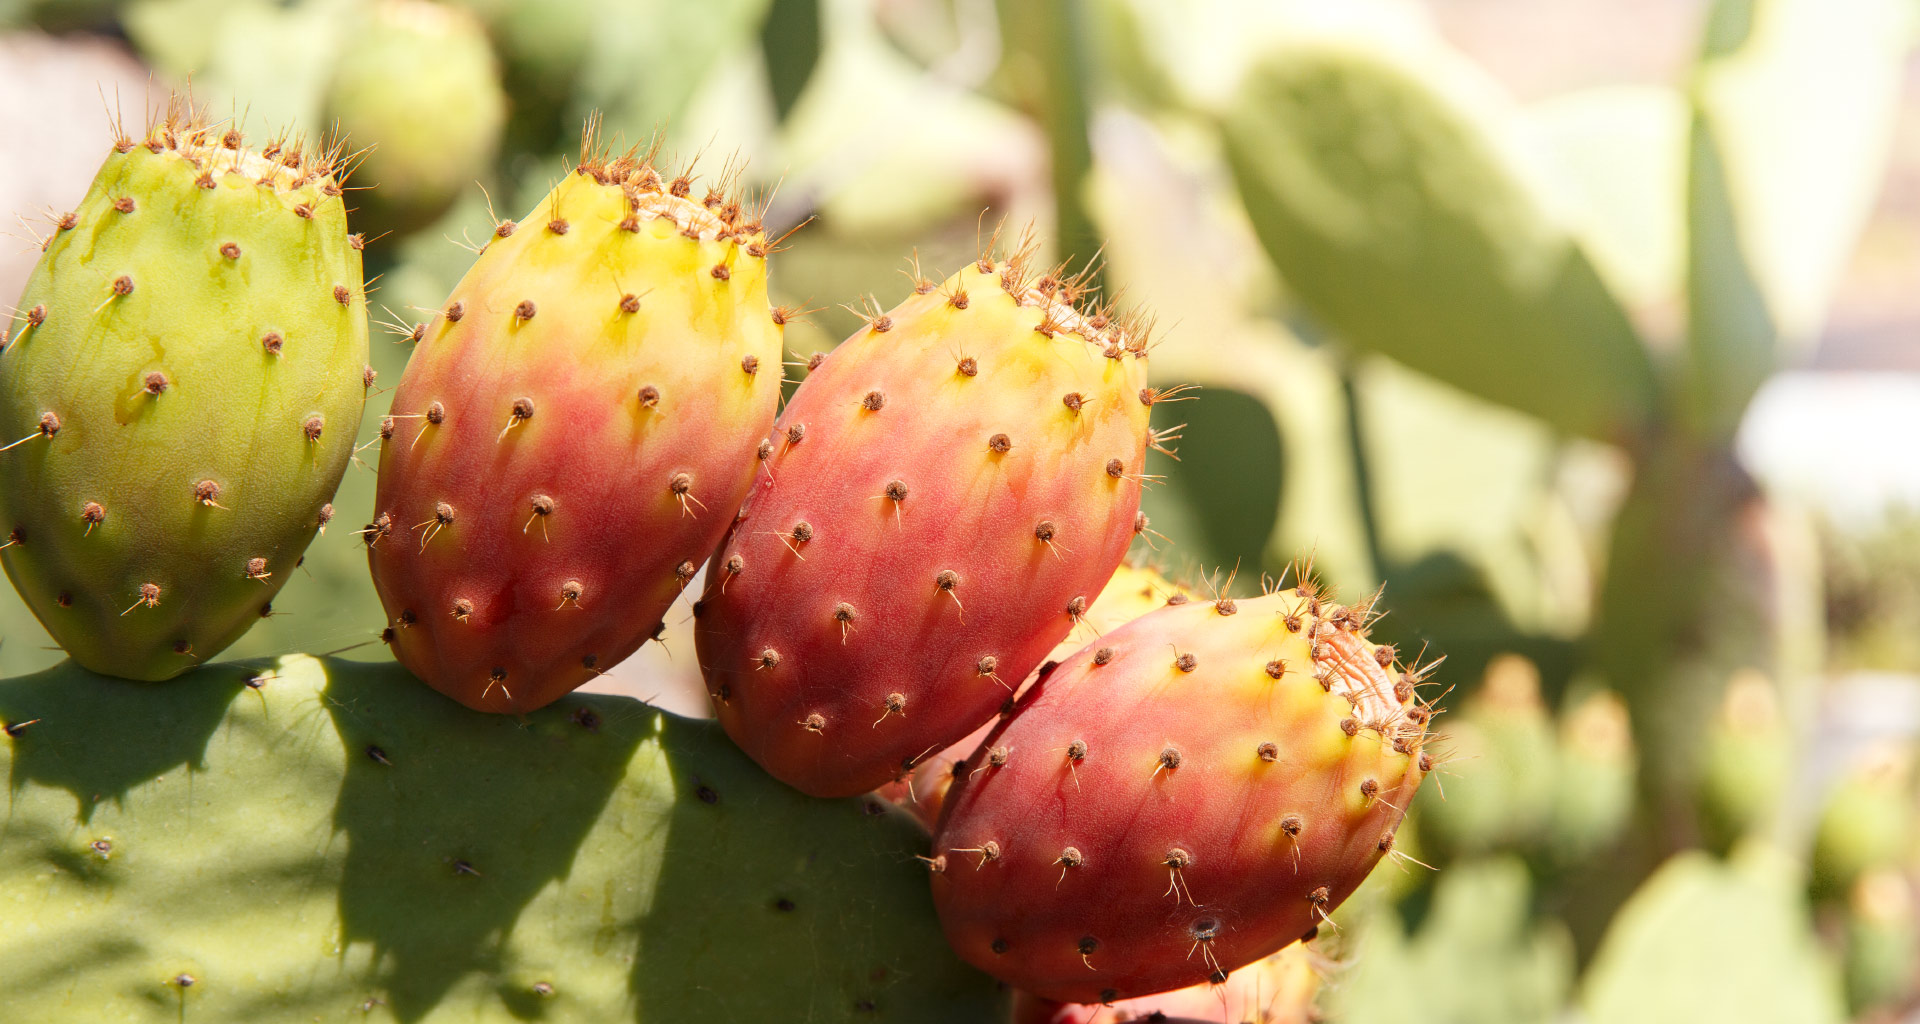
{"x":647,"y":366}
{"x":1277,"y":990}
{"x":1133,"y":591}
{"x":332,"y":842}
{"x":419,"y":86}
{"x":184,"y":378}
{"x":1172,"y":850}
{"x":945,"y":495}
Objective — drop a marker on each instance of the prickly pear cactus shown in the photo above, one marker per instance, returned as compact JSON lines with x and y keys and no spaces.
{"x":573,"y":434}
{"x":418,"y":84}
{"x":942,"y":501}
{"x":311,"y":839}
{"x":179,"y":394}
{"x":1193,"y":792}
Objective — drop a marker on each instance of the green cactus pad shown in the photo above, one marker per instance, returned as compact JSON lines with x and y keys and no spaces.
{"x":1383,"y":187}
{"x":1705,"y":940}
{"x":180,"y":393}
{"x":325,"y":840}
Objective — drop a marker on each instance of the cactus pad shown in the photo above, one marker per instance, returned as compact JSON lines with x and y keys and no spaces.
{"x":324,"y":840}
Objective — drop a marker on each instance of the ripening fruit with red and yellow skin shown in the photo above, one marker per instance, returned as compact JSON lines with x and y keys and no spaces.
{"x":1133,"y":591}
{"x":573,"y":433}
{"x":1277,"y":990}
{"x":1188,"y":795}
{"x":943,"y":498}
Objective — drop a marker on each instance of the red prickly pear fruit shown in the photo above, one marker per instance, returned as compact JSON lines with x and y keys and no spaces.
{"x":944,"y":497}
{"x":1201,"y":796}
{"x":573,"y":433}
{"x":1132,"y":592}
{"x":1277,"y":990}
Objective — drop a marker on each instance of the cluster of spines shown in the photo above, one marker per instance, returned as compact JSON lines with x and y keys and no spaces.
{"x":288,"y":163}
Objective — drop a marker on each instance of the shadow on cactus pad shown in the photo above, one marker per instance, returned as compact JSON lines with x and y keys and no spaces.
{"x":336,"y":840}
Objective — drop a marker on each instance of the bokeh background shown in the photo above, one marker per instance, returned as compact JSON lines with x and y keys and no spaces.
{"x":1591,"y":328}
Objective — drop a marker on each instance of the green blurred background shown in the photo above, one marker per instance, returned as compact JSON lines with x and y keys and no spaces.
{"x":1589,"y":327}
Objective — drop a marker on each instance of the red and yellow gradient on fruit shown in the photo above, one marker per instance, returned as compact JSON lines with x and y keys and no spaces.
{"x":1133,"y":591}
{"x":943,"y":499}
{"x":573,"y":433}
{"x":1277,"y":990}
{"x":1188,"y":795}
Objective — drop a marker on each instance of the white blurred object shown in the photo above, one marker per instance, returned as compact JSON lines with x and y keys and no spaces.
{"x":1838,"y":442}
{"x":666,"y":673}
{"x":59,"y":136}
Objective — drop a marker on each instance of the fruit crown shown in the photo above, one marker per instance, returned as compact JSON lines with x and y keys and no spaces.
{"x":725,"y":212}
{"x":289,"y":162}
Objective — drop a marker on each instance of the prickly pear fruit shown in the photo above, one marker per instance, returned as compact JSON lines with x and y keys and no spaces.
{"x":1504,"y":743}
{"x":179,"y":395}
{"x":311,"y":839}
{"x":1748,"y":756}
{"x":1133,"y":591}
{"x":1883,"y":941}
{"x":1192,"y":793}
{"x":419,"y":86}
{"x":943,"y":499}
{"x":1594,"y":783}
{"x":1277,"y":990}
{"x":1868,"y":821}
{"x":573,"y":433}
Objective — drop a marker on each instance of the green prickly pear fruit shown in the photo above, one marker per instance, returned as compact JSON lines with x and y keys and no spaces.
{"x":573,"y":434}
{"x":1868,"y":820}
{"x":418,"y":84}
{"x":309,"y":839}
{"x":179,"y":395}
{"x":1883,"y":941}
{"x":1187,"y":795}
{"x":1748,"y":759}
{"x":1504,"y":753}
{"x":1594,"y":783}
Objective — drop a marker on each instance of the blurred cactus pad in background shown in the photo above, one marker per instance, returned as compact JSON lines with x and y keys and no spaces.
{"x":1587,"y":330}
